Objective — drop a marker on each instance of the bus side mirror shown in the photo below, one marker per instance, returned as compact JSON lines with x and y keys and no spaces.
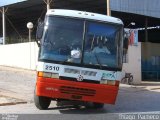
{"x":39,"y":32}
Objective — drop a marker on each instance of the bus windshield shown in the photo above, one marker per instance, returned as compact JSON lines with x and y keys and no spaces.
{"x":81,"y":41}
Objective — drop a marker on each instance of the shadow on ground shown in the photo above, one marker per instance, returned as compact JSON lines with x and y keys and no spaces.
{"x":74,"y":107}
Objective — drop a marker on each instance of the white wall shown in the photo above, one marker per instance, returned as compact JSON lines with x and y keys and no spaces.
{"x":18,"y":55}
{"x":134,"y":63}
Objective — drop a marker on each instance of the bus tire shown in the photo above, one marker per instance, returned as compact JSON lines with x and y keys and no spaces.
{"x":41,"y":102}
{"x":98,"y":105}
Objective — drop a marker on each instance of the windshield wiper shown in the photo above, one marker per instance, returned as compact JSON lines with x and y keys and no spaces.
{"x":98,"y":60}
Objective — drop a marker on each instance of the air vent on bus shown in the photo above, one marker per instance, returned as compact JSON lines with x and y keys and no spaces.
{"x":77,"y":91}
{"x":88,"y":73}
{"x":83,"y":72}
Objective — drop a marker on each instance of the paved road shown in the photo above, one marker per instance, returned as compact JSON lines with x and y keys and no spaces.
{"x":18,"y":82}
{"x":131,"y":99}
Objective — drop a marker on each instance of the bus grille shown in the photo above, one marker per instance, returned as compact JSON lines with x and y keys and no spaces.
{"x":77,"y":91}
{"x":83,"y":72}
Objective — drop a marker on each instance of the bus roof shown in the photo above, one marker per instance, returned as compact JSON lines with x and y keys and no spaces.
{"x":82,"y":14}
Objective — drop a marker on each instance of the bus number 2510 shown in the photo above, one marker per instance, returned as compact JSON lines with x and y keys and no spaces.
{"x":55,"y":68}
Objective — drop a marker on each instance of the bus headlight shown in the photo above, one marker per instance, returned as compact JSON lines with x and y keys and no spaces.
{"x":48,"y":75}
{"x":55,"y":75}
{"x":103,"y":81}
{"x":108,"y":82}
{"x":111,"y":82}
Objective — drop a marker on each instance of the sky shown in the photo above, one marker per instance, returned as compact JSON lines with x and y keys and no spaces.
{"x":7,"y":2}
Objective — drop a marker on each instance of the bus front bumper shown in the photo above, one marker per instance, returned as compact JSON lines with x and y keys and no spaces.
{"x":71,"y":90}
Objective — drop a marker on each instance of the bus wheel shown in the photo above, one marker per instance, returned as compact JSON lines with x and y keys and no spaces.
{"x":41,"y":103}
{"x":98,"y":105}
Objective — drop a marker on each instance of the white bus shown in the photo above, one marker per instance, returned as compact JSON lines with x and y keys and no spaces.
{"x":80,"y":58}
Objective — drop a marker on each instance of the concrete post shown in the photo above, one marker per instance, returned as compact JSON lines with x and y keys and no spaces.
{"x":4,"y":25}
{"x":108,"y":8}
{"x":48,"y":4}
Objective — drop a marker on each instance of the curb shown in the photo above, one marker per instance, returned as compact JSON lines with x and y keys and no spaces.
{"x":12,"y":103}
{"x":18,"y":99}
{"x":7,"y":100}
